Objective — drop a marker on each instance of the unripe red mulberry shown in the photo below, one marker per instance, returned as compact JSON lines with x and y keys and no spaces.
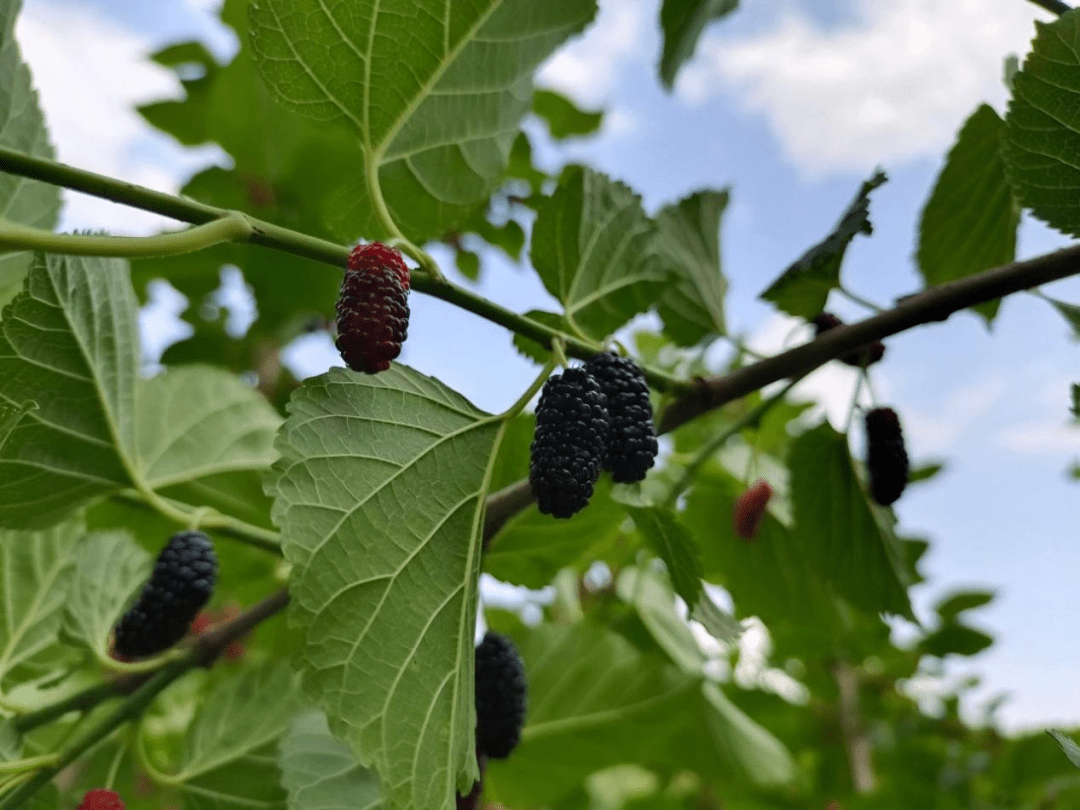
{"x":859,"y":357}
{"x":101,"y":799}
{"x":568,"y":447}
{"x":886,"y":456}
{"x":373,"y":308}
{"x":631,"y":445}
{"x":749,"y":510}
{"x":500,"y":696}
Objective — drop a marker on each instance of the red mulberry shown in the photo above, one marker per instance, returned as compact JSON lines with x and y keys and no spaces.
{"x":101,"y":799}
{"x":501,"y":695}
{"x":568,"y":447}
{"x":886,"y":456}
{"x":749,"y":510}
{"x":181,"y":584}
{"x":631,"y":445}
{"x":373,"y":309}
{"x":859,"y":357}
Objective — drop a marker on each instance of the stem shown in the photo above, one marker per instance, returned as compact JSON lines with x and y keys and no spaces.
{"x":1053,"y":6}
{"x":856,"y":740}
{"x":79,"y":701}
{"x":28,"y":764}
{"x":858,"y":299}
{"x":523,"y":400}
{"x":855,"y":400}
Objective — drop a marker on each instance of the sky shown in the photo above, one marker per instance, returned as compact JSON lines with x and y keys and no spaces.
{"x":791,"y":104}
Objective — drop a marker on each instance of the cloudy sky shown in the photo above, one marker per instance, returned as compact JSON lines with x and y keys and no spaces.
{"x":792,"y":103}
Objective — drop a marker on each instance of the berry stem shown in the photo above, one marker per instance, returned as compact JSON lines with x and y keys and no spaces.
{"x":28,"y":764}
{"x":530,"y":392}
{"x":854,"y":401}
{"x":858,"y":299}
{"x":79,"y":701}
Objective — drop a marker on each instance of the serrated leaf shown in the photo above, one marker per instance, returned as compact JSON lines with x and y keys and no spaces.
{"x":564,"y":118}
{"x":22,"y":127}
{"x":229,"y":758}
{"x":1042,"y":128}
{"x":69,"y":344}
{"x":590,"y":247}
{"x":682,"y":23}
{"x":688,"y":240}
{"x":320,"y":772}
{"x":844,"y":539}
{"x":36,"y":569}
{"x":434,"y":92}
{"x":955,"y":639}
{"x":969,"y":223}
{"x":379,"y":494}
{"x":802,"y":289}
{"x":652,"y":597}
{"x":951,"y":606}
{"x":1071,"y":749}
{"x":672,"y":541}
{"x":529,"y":347}
{"x":109,"y":567}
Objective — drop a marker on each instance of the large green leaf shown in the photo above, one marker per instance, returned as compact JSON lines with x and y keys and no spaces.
{"x":22,"y":127}
{"x":672,"y":541}
{"x":589,"y":245}
{"x":688,"y":240}
{"x":229,"y":758}
{"x":845,"y":537}
{"x":434,"y":91}
{"x":682,"y":22}
{"x":744,"y":749}
{"x":564,"y":118}
{"x":320,"y":772}
{"x":802,"y":289}
{"x":969,"y":223}
{"x":69,"y":344}
{"x":1042,"y":126}
{"x":379,"y":494}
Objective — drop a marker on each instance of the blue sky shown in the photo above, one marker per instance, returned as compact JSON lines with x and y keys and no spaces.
{"x":792,"y":104}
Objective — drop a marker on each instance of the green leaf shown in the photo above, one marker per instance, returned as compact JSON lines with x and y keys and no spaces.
{"x":379,"y":494}
{"x":433,"y":93}
{"x":1071,"y":749}
{"x":672,"y":541}
{"x":802,"y":289}
{"x":746,"y":750}
{"x":969,"y":223}
{"x":69,"y":343}
{"x":954,"y":604}
{"x":845,"y":538}
{"x":924,"y":472}
{"x":529,"y":347}
{"x":1076,"y":400}
{"x":682,"y":22}
{"x":1070,"y":312}
{"x":229,"y":758}
{"x":320,"y":772}
{"x":109,"y":567}
{"x":1042,"y":126}
{"x":654,"y":601}
{"x":721,"y":625}
{"x":564,"y":118}
{"x":589,"y":246}
{"x":688,"y":241}
{"x":955,"y":639}
{"x":22,"y":127}
{"x":36,"y":570}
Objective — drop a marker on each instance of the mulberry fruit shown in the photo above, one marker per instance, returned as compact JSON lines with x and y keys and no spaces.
{"x":500,"y":696}
{"x":100,"y":799}
{"x":631,"y":445}
{"x":373,"y":308}
{"x":860,"y":357}
{"x":180,"y":585}
{"x":886,"y":457}
{"x":750,"y":510}
{"x":568,"y":447}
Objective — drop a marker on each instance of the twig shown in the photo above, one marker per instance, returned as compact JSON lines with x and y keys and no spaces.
{"x":856,"y":740}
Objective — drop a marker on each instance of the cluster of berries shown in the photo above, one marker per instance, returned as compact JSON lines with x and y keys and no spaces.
{"x":373,"y":308}
{"x":589,"y":418}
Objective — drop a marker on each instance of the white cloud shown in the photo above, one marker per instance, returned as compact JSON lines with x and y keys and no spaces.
{"x":893,"y":85}
{"x":1039,"y":438}
{"x":935,"y":430}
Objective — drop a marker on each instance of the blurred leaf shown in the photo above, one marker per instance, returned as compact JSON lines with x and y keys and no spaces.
{"x":1070,"y":312}
{"x":385,"y":549}
{"x":955,"y":639}
{"x":689,"y":243}
{"x":468,"y":264}
{"x":1042,"y":131}
{"x":320,"y":772}
{"x":564,"y":118}
{"x":924,"y":472}
{"x":654,"y":601}
{"x":682,"y":23}
{"x":721,"y":625}
{"x":1076,"y":400}
{"x":954,"y":604}
{"x":69,"y":344}
{"x":802,"y":289}
{"x":589,"y":246}
{"x":749,"y":752}
{"x":22,"y":128}
{"x":1071,"y":749}
{"x":673,"y":543}
{"x":969,"y":223}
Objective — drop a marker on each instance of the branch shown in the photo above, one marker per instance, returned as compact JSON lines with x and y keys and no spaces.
{"x":856,"y":740}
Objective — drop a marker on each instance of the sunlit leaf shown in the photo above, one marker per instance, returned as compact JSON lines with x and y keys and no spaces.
{"x":1071,"y":749}
{"x":672,"y":541}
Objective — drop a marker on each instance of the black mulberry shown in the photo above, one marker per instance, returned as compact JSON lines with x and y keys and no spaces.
{"x":568,"y":447}
{"x":373,"y":308}
{"x":886,"y":457}
{"x":859,"y":357}
{"x":180,"y":585}
{"x":501,"y":695}
{"x":631,"y":445}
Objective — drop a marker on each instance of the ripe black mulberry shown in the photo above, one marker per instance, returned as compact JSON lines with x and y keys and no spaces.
{"x":859,"y":357}
{"x":501,"y":695}
{"x":181,"y":584}
{"x":373,"y":308}
{"x":886,"y":456}
{"x":631,"y":445}
{"x":568,"y":447}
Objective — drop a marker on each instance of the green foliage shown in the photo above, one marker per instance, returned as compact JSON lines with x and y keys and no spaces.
{"x":682,"y":22}
{"x":319,"y":771}
{"x":564,"y":118}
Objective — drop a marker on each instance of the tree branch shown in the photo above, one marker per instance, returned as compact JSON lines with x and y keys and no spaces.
{"x":857,"y":743}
